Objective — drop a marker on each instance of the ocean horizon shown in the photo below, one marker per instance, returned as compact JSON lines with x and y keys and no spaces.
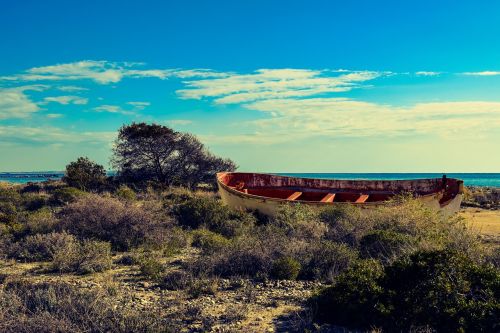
{"x":470,"y":179}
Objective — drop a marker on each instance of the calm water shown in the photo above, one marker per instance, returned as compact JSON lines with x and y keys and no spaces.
{"x":471,"y":179}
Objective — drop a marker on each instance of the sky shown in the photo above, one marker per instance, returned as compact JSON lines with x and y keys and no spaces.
{"x":277,"y":86}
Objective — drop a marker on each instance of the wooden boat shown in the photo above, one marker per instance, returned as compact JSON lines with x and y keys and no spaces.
{"x":267,"y":192}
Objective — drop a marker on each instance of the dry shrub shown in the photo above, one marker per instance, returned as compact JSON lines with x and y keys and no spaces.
{"x":325,"y":260}
{"x":59,"y":307}
{"x":41,"y":221}
{"x":209,"y":213}
{"x":109,"y":219}
{"x":83,"y":257}
{"x":43,"y":247}
{"x":208,"y":241}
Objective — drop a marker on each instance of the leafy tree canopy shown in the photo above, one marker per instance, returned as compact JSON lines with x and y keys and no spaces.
{"x":152,"y":152}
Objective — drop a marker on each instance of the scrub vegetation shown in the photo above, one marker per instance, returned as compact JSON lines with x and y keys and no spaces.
{"x":111,"y":254}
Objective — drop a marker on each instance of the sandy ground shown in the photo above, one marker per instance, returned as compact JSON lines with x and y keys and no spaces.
{"x":486,"y":222}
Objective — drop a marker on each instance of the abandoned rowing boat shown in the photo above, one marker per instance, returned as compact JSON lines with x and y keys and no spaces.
{"x":266,"y":192}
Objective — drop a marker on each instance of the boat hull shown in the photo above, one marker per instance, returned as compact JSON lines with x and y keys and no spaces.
{"x":425,"y":190}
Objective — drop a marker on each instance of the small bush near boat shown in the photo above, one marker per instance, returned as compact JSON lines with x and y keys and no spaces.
{"x":443,"y":290}
{"x":210,"y":213}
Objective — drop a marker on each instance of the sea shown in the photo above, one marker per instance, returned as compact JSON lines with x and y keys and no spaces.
{"x":470,"y":179}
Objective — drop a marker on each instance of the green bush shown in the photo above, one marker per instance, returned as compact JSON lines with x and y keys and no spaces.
{"x":41,"y":221}
{"x":125,"y":193}
{"x":33,"y":201}
{"x":210,"y":213}
{"x":325,"y":260}
{"x":85,"y":174}
{"x":65,"y":195}
{"x":385,"y":245}
{"x":209,"y":242}
{"x":285,"y":268}
{"x":443,"y":290}
{"x":346,"y":223}
{"x":151,"y":268}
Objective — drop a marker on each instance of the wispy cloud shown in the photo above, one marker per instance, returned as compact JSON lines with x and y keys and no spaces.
{"x":65,"y":100}
{"x":178,"y":122}
{"x":483,"y":73}
{"x":51,"y":135}
{"x":274,"y":83}
{"x":54,"y":115}
{"x":71,"y":88}
{"x":103,"y":72}
{"x":112,"y":109}
{"x":14,"y":103}
{"x":139,"y":105}
{"x":427,"y":73}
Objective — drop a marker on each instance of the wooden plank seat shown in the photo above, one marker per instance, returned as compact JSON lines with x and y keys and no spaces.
{"x":362,"y":198}
{"x":328,"y":198}
{"x":294,"y":196}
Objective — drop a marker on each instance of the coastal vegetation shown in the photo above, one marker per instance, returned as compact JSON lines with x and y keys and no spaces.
{"x":153,"y":249}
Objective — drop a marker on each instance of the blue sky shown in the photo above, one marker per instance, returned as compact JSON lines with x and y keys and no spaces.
{"x":279,"y":86}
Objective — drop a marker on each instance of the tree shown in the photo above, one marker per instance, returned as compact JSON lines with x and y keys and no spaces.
{"x":145,"y":152}
{"x":85,"y":174}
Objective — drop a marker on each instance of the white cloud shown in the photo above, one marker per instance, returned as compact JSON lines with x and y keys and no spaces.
{"x":51,"y":135}
{"x":427,"y":73}
{"x":178,"y":122}
{"x":71,"y":88}
{"x":112,"y":109}
{"x":103,"y":72}
{"x":483,"y":73}
{"x":139,"y":105}
{"x":292,"y":119}
{"x":65,"y":100}
{"x":54,"y":115}
{"x":273,"y":83}
{"x":14,"y":103}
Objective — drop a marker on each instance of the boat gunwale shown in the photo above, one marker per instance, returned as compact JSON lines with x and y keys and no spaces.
{"x":253,"y":196}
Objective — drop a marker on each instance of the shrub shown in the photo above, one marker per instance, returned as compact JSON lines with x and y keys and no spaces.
{"x":94,"y":257}
{"x":66,"y":195}
{"x":43,"y":247}
{"x":443,"y":290}
{"x":202,"y":286}
{"x":109,"y":219}
{"x":83,"y":257}
{"x":152,"y":268}
{"x":346,"y":223}
{"x":85,"y":174}
{"x":125,"y":193}
{"x":210,"y":213}
{"x":299,"y":221}
{"x":247,"y":256}
{"x":59,"y":307}
{"x":385,"y":245}
{"x":41,"y":221}
{"x":285,"y":268}
{"x":328,"y":259}
{"x":177,"y":280}
{"x":209,"y":242}
{"x":32,"y":201}
{"x":352,"y":301}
